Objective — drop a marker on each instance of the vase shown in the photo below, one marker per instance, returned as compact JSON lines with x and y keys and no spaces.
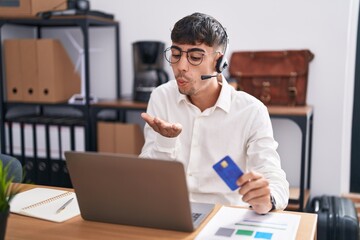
{"x":4,"y":215}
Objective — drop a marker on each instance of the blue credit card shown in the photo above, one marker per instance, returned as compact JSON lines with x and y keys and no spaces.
{"x":228,"y":171}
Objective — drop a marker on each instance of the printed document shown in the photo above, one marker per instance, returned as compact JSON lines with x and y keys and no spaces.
{"x":239,"y":223}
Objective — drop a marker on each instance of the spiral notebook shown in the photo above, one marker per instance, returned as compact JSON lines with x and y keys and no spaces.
{"x":47,"y":204}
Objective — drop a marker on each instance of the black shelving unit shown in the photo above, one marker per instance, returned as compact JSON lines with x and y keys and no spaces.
{"x":83,"y":116}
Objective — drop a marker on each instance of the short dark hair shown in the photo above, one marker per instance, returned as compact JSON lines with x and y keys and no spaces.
{"x":199,"y":28}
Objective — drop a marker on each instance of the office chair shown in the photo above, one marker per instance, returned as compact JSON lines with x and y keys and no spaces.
{"x":15,"y":167}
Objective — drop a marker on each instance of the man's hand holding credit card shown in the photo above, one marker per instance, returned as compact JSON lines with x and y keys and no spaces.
{"x":227,"y":169}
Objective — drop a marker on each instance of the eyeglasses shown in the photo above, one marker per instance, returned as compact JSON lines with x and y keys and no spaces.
{"x":194,"y":56}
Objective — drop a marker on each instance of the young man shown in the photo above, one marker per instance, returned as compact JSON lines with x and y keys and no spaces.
{"x":199,"y":119}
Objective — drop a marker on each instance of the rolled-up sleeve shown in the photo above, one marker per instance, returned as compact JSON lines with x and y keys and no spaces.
{"x":263,"y":158}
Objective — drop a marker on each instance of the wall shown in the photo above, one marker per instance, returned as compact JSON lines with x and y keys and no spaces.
{"x":327,"y":28}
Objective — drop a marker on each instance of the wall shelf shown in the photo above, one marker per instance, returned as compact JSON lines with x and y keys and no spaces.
{"x":64,"y":114}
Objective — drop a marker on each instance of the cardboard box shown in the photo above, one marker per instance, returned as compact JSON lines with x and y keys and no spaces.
{"x":122,"y":138}
{"x":41,"y":69}
{"x":129,"y":138}
{"x":27,"y":8}
{"x":106,"y":137}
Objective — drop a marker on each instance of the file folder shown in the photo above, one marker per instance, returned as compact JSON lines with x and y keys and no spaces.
{"x":30,"y":160}
{"x":40,"y":141}
{"x":58,"y":79}
{"x":29,"y":67}
{"x":43,"y":165}
{"x":65,"y":140}
{"x":16,"y":139}
{"x":79,"y":138}
{"x":13,"y":76}
{"x":8,"y":141}
{"x":54,"y":143}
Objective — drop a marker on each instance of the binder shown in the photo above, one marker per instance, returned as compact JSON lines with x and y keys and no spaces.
{"x":65,"y":140}
{"x":54,"y":142}
{"x":68,"y":135}
{"x":14,"y":89}
{"x":66,"y":181}
{"x":16,"y":139}
{"x":79,"y":138}
{"x":43,"y":165}
{"x":28,"y":140}
{"x":55,"y":161}
{"x":56,"y":174}
{"x":62,"y":139}
{"x":40,"y":141}
{"x":7,"y":138}
{"x":30,"y":160}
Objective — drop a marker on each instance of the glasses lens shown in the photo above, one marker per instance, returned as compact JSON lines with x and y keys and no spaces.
{"x":195,"y":57}
{"x":172,"y":55}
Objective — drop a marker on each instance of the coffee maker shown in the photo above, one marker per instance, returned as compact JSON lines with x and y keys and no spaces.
{"x":148,"y":68}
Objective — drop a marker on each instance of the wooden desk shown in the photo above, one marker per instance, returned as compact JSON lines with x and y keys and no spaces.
{"x":21,"y":227}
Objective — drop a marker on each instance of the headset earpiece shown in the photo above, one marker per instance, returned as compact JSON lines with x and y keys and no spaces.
{"x":222,"y":63}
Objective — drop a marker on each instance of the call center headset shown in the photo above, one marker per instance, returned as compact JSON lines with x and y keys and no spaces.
{"x":222,"y":62}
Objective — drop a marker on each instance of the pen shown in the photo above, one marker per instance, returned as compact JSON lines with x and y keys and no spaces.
{"x":65,"y":205}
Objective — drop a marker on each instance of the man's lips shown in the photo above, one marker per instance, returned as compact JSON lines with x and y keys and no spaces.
{"x":181,"y":81}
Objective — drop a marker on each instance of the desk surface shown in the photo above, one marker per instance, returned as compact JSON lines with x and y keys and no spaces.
{"x":22,"y":227}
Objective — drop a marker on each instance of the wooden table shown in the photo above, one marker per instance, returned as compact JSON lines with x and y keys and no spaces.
{"x":22,"y":227}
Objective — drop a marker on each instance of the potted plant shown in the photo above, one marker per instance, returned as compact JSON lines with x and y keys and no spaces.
{"x":7,"y":191}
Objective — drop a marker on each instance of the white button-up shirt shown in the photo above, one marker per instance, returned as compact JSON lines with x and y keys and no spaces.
{"x":238,"y":125}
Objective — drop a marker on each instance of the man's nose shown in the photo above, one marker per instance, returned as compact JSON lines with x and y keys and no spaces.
{"x":183,"y":63}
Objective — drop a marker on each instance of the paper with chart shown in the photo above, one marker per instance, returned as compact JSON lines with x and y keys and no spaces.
{"x":239,"y":223}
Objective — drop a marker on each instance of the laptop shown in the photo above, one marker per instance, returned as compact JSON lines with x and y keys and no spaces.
{"x":126,"y":189}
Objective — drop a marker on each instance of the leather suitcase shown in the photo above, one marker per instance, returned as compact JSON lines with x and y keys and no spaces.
{"x":337,"y":218}
{"x":274,"y":77}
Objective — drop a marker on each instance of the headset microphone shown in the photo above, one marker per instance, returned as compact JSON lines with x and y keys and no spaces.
{"x":205,"y":77}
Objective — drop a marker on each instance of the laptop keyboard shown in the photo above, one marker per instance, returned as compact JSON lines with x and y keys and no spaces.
{"x":195,"y":216}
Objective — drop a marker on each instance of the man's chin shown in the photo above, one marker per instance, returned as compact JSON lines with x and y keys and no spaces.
{"x":184,"y":92}
{"x":181,"y":91}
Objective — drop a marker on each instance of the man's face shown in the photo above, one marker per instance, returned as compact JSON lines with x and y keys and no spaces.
{"x":187,"y":75}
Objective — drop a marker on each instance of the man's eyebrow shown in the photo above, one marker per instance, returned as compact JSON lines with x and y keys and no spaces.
{"x":189,"y":50}
{"x":195,"y":49}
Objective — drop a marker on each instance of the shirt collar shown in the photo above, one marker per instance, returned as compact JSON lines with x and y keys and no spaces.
{"x":224,"y":100}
